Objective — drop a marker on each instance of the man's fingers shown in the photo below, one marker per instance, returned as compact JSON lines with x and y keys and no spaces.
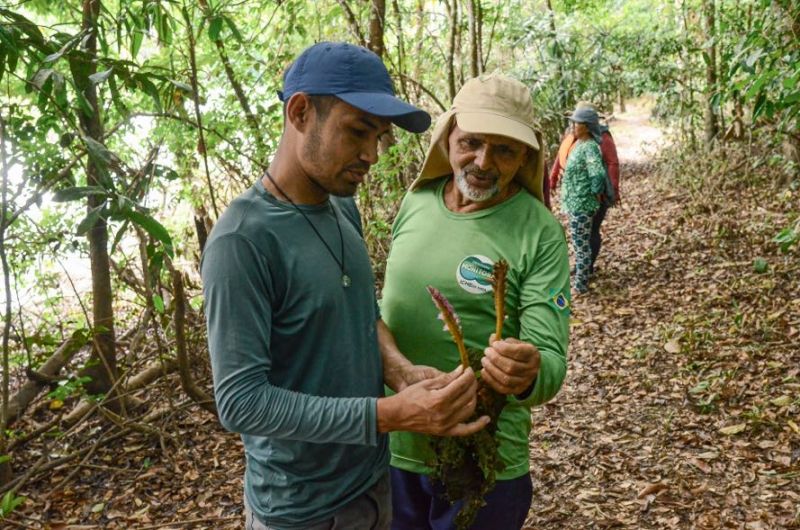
{"x":511,"y":349}
{"x":459,"y":382}
{"x":445,"y":379}
{"x":465,"y":429}
{"x":501,"y":381}
{"x":503,"y":362}
{"x":458,"y":398}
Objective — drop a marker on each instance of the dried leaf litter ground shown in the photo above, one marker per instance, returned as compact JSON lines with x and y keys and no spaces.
{"x":681,"y":406}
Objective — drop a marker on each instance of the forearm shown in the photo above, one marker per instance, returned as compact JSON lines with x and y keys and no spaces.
{"x":548,"y":381}
{"x":545,"y":320}
{"x":252,"y":405}
{"x":395,"y":364}
{"x":390,"y":416}
{"x":555,"y":171}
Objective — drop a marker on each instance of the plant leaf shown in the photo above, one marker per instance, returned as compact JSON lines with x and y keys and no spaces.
{"x":99,"y":77}
{"x":153,"y":227}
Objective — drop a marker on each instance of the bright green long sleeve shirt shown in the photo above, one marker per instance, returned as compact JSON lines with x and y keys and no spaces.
{"x":455,"y":253}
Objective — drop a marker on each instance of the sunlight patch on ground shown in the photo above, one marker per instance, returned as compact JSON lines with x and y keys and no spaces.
{"x":635,"y":134}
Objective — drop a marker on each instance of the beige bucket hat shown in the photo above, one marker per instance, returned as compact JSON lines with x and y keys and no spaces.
{"x":489,"y":104}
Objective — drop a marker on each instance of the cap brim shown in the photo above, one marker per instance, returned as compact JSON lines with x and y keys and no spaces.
{"x":568,"y":115}
{"x":485,"y":123}
{"x":384,"y":105}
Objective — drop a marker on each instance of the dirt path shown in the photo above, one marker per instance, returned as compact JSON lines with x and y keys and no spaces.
{"x":680,"y":409}
{"x":635,"y":136}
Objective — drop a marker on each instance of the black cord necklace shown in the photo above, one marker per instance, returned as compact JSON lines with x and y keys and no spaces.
{"x":345,"y":278}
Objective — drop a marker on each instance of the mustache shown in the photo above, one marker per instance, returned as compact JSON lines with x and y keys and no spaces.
{"x":359,"y":168}
{"x":474,"y":170}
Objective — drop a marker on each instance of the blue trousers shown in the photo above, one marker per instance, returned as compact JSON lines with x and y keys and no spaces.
{"x":418,"y":503}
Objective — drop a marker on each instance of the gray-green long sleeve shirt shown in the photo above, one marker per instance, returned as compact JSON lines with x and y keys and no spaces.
{"x":294,"y":354}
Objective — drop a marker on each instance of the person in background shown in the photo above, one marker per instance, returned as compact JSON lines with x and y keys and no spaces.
{"x":476,"y":201}
{"x":583,"y":189}
{"x":608,"y":149}
{"x":299,"y":352}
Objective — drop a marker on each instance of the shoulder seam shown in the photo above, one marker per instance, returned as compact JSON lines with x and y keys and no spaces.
{"x":236,"y":235}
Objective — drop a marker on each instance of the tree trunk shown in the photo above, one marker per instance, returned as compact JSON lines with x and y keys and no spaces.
{"x":562,"y":92}
{"x":419,"y":39}
{"x":616,"y":74}
{"x":352,"y":22}
{"x":201,"y":225}
{"x":201,"y":143}
{"x":189,"y":386}
{"x":711,"y":118}
{"x":102,"y":365}
{"x":38,"y":381}
{"x":479,"y":21}
{"x":791,"y":149}
{"x":6,"y":473}
{"x":452,"y":12}
{"x":474,"y":52}
{"x":401,"y":51}
{"x":687,"y":95}
{"x":377,"y":15}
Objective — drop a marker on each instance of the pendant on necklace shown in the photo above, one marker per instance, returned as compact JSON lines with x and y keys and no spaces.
{"x":345,"y":280}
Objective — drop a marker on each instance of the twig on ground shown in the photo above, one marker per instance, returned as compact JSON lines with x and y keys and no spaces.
{"x":191,"y":521}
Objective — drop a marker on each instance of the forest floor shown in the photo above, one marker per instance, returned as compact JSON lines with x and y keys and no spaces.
{"x":682,"y":400}
{"x":680,"y":409}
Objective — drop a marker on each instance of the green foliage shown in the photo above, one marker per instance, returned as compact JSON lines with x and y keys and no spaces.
{"x":765,"y":60}
{"x":68,"y":388}
{"x":10,"y":502}
{"x":788,"y":237}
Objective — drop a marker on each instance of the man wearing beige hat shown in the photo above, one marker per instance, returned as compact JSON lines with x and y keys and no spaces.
{"x":478,"y":200}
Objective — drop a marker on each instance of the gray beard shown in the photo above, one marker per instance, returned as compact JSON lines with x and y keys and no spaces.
{"x":474,"y":194}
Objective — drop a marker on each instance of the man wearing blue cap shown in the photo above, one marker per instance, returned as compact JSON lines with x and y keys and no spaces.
{"x":298,"y":348}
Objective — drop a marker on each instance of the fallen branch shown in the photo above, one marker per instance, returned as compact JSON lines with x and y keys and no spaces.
{"x":23,"y":438}
{"x":28,"y":392}
{"x":153,"y":372}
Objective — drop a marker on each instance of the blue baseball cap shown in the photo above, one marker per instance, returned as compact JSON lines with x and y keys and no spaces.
{"x":356,"y":76}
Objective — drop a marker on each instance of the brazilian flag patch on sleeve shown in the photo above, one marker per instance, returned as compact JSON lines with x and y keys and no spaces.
{"x":560,"y":300}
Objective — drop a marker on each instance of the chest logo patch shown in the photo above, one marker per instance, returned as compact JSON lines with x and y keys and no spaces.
{"x":474,"y":274}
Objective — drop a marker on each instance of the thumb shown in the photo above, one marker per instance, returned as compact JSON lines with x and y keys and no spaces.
{"x":445,"y":379}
